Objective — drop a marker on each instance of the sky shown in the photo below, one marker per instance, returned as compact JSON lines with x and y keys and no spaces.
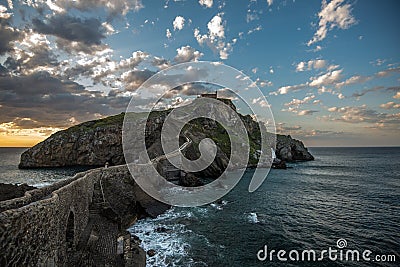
{"x":330,"y":70}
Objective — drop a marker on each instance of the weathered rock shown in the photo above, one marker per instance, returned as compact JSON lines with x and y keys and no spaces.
{"x":279,"y":164}
{"x":96,"y":142}
{"x":10,"y":191}
{"x":151,"y":253}
{"x":162,"y":229}
{"x":289,"y":149}
{"x":89,"y":144}
{"x":190,"y":180}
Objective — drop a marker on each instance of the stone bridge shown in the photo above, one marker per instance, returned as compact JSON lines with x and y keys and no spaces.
{"x":76,"y":222}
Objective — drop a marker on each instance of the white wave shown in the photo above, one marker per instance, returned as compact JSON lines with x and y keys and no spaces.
{"x":171,"y":246}
{"x":40,"y":185}
{"x":216,"y":206}
{"x":253,"y":218}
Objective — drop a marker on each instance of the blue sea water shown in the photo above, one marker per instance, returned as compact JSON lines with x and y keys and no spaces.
{"x":10,"y":174}
{"x":346,"y":193}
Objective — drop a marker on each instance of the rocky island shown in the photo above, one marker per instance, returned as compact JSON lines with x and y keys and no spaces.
{"x":96,"y":142}
{"x":81,"y":221}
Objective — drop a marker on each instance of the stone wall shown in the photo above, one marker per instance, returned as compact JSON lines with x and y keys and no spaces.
{"x":75,"y":222}
{"x":33,"y":228}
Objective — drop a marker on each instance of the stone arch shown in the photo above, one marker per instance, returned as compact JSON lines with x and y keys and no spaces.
{"x":70,"y":232}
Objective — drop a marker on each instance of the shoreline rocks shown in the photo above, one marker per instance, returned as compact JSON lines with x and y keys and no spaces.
{"x":11,"y":191}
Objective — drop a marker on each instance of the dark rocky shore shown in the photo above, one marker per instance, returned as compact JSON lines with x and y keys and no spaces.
{"x":10,"y":191}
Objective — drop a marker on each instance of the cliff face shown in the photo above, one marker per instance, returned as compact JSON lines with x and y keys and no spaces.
{"x":289,"y":149}
{"x":89,"y":144}
{"x":96,"y":142}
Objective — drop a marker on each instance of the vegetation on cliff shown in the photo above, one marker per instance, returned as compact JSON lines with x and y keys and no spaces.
{"x":96,"y":142}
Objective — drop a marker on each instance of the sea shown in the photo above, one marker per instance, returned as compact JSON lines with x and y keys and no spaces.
{"x":343,"y":204}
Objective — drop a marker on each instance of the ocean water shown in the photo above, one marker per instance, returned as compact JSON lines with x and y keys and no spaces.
{"x":346,"y":193}
{"x":9,"y":172}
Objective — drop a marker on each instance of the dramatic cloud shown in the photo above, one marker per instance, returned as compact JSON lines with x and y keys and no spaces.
{"x":103,"y":68}
{"x":135,"y":78}
{"x":160,"y":63}
{"x":40,"y":99}
{"x":206,"y":3}
{"x":31,"y":54}
{"x":178,"y":23}
{"x":87,"y":31}
{"x":7,"y":33}
{"x":332,"y":14}
{"x":186,"y":54}
{"x":113,"y":8}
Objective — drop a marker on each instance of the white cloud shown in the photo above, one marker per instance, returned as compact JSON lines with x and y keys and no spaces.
{"x":328,"y":78}
{"x":286,"y":89}
{"x":215,"y":38}
{"x":298,"y":102}
{"x":306,"y":112}
{"x":261,"y":102}
{"x":10,"y":4}
{"x":333,"y":14}
{"x":168,"y":34}
{"x":186,"y":54}
{"x":256,"y":29}
{"x":216,"y":28}
{"x":390,"y":105}
{"x":178,"y":23}
{"x":312,"y":64}
{"x":397,"y":95}
{"x":252,"y":15}
{"x":387,"y":72}
{"x":109,"y":28}
{"x":3,"y":13}
{"x":270,"y":2}
{"x":206,"y":3}
{"x":254,"y":70}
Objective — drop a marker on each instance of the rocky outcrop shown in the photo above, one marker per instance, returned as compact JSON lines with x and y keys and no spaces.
{"x":96,"y":142}
{"x":289,"y":149}
{"x":10,"y":191}
{"x":89,"y":144}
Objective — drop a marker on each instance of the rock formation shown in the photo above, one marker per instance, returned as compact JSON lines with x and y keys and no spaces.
{"x":96,"y":142}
